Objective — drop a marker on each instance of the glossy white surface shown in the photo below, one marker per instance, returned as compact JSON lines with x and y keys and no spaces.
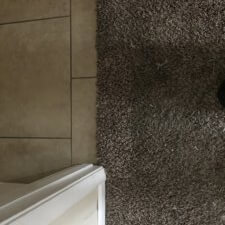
{"x":43,"y":201}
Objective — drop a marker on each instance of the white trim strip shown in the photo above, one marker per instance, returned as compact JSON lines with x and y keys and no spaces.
{"x":50,"y":200}
{"x":101,"y":204}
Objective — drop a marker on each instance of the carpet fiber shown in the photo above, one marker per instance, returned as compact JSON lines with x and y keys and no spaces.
{"x":160,"y":126}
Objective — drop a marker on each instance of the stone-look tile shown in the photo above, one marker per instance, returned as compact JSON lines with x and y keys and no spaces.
{"x":83,"y":38}
{"x":84,"y":121}
{"x":20,"y":10}
{"x":35,"y":79}
{"x":22,"y":158}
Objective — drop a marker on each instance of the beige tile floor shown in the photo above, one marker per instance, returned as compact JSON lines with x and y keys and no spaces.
{"x":22,"y":10}
{"x":84,"y":121}
{"x":47,"y":86}
{"x":83,"y":30}
{"x":35,"y":79}
{"x":22,"y":158}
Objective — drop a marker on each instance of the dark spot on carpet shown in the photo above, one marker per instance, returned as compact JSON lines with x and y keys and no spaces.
{"x":221,"y":94}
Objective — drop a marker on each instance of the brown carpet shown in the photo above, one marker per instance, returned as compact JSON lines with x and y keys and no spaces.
{"x":161,"y":129}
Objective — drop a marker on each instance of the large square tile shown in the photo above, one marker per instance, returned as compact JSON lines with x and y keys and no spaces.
{"x":35,"y":79}
{"x":20,"y":10}
{"x":84,"y":121}
{"x":23,"y":159}
{"x":83,"y":38}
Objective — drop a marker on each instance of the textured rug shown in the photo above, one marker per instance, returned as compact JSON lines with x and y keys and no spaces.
{"x":160,"y":127}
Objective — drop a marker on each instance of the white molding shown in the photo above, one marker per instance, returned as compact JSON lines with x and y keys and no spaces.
{"x":43,"y":184}
{"x":54,"y":195}
{"x":101,"y":204}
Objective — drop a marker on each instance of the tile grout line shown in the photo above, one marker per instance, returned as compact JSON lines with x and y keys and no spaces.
{"x":91,"y":77}
{"x":34,"y":20}
{"x":71,"y":90}
{"x":48,"y":138}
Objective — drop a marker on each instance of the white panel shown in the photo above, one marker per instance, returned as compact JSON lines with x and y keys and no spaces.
{"x":54,"y":196}
{"x":82,"y":213}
